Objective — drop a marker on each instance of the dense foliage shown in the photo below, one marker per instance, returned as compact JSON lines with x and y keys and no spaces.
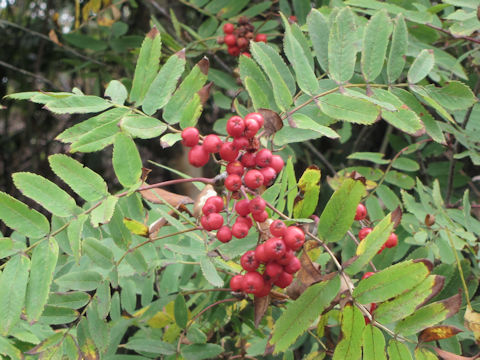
{"x":103,"y":262}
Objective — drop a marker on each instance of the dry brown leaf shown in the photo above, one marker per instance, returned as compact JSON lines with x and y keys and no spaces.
{"x":440,"y":332}
{"x":429,"y":219}
{"x":204,"y":65}
{"x":261,"y":306}
{"x":446,"y":355}
{"x":158,"y":196}
{"x":53,"y":36}
{"x":204,"y":93}
{"x":396,"y":217}
{"x":472,"y":322}
{"x":272,"y":121}
{"x":306,"y":276}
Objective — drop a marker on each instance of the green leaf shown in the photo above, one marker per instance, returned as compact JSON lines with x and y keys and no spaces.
{"x":192,"y":83}
{"x":369,"y":246}
{"x":117,"y":92}
{"x":256,"y":93}
{"x":80,"y":280}
{"x":388,"y":197}
{"x":162,"y":87}
{"x":153,"y":346}
{"x":263,"y":55}
{"x":201,"y":351}
{"x":147,"y":66}
{"x":337,"y":217}
{"x":306,"y":129}
{"x":78,"y":104}
{"x":398,"y":49}
{"x":292,"y":185}
{"x":180,"y":311}
{"x":143,"y":127}
{"x":103,"y":300}
{"x":56,"y":315}
{"x":73,"y":300}
{"x":99,"y":253}
{"x":319,"y":32}
{"x":375,"y":42}
{"x":348,"y":108}
{"x":13,"y":282}
{"x":398,"y":351}
{"x":306,"y":78}
{"x":8,"y":349}
{"x":421,"y":67}
{"x":424,"y":354}
{"x":85,"y":182}
{"x":74,"y":233}
{"x":350,"y":347}
{"x":248,"y":68}
{"x":103,"y":213}
{"x":191,"y":112}
{"x":376,"y":158}
{"x":309,"y":186}
{"x":44,"y":260}
{"x":300,"y":313}
{"x":420,"y":90}
{"x":405,"y":304}
{"x":209,"y":271}
{"x":46,"y":193}
{"x":18,"y":216}
{"x":126,"y":160}
{"x":429,"y":315}
{"x":373,"y":343}
{"x":392,"y":281}
{"x":399,"y":179}
{"x":453,"y":96}
{"x":405,"y":164}
{"x":341,"y":46}
{"x":98,"y":328}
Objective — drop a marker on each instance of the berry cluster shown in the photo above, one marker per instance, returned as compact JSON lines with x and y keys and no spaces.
{"x":361,"y":214}
{"x":238,"y":38}
{"x":248,"y":169}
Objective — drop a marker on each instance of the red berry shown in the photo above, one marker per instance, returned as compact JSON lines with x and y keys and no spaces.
{"x":277,"y":163}
{"x":248,"y":159}
{"x":217,"y":201}
{"x":209,"y":208}
{"x":277,"y":228}
{"x":286,"y":258}
{"x":260,"y":253}
{"x":253,"y":179}
{"x":236,"y":283}
{"x":273,"y":270}
{"x":242,"y":207}
{"x":228,"y":152}
{"x":235,"y":167}
{"x":230,"y":40}
{"x":362,"y":234}
{"x":241,"y":142}
{"x":205,"y":223}
{"x":274,"y":248}
{"x":284,"y":280}
{"x":264,"y":158}
{"x":215,"y":221}
{"x":212,"y":143}
{"x":245,"y":220}
{"x":242,"y":42}
{"x":247,"y":54}
{"x":261,"y":37}
{"x":392,"y":240}
{"x":293,"y":266}
{"x":253,"y":283}
{"x":269,"y":175}
{"x":190,"y":136}
{"x":233,"y":182}
{"x":228,"y":28}
{"x":361,"y":212}
{"x":197,"y":156}
{"x":257,"y":205}
{"x":248,"y":261}
{"x":240,"y":230}
{"x":294,"y":237}
{"x":260,"y":217}
{"x":256,"y":116}
{"x":367,"y":275}
{"x":381,"y":249}
{"x":224,"y":234}
{"x":233,"y":50}
{"x":251,"y":128}
{"x":235,"y":126}
{"x":265,"y":291}
{"x":292,"y":18}
{"x":373,"y":306}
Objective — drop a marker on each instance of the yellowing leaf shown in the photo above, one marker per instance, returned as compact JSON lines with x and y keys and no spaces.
{"x":136,"y":227}
{"x":309,"y":186}
{"x":472,"y":322}
{"x":438,"y":333}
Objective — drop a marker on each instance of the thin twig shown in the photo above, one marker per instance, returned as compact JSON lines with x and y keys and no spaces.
{"x":322,"y":158}
{"x":28,"y":73}
{"x":468,"y":38}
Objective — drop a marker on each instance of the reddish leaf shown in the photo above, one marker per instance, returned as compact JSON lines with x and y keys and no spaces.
{"x":472,"y":322}
{"x":204,"y":65}
{"x":261,"y":306}
{"x":157,"y":196}
{"x":445,"y":355}
{"x":396,"y":217}
{"x":152,"y":33}
{"x":204,"y":93}
{"x":438,"y":333}
{"x":272,"y":123}
{"x":429,"y":220}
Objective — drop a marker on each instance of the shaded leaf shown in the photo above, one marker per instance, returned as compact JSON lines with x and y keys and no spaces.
{"x":343,"y":107}
{"x":453,"y":96}
{"x":153,"y":346}
{"x":80,"y":280}
{"x":180,"y":311}
{"x":126,"y":160}
{"x":209,"y":271}
{"x":319,"y":32}
{"x":421,"y":67}
{"x":201,"y":351}
{"x":100,"y":254}
{"x":398,"y":49}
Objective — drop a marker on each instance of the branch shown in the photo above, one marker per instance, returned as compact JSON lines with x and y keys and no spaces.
{"x":468,"y":38}
{"x":28,"y":73}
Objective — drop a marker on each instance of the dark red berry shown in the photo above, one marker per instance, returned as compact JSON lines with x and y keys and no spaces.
{"x":228,"y":152}
{"x":212,"y":143}
{"x":190,"y":136}
{"x":235,"y":167}
{"x":261,"y":38}
{"x":277,"y":163}
{"x":263,"y":158}
{"x":274,"y":248}
{"x":236,"y":283}
{"x":367,"y":275}
{"x":294,"y":237}
{"x":235,"y":126}
{"x":240,"y":230}
{"x":277,"y":228}
{"x":230,"y":40}
{"x":265,"y":291}
{"x":257,"y":205}
{"x":233,"y":50}
{"x":256,"y":116}
{"x":245,"y":220}
{"x":224,"y":234}
{"x":205,"y":223}
{"x":233,"y":182}
{"x":286,"y":258}
{"x":228,"y":28}
{"x":253,"y":283}
{"x":269,"y":175}
{"x":251,"y":128}
{"x":241,"y":142}
{"x":361,"y":212}
{"x":392,"y":240}
{"x":248,"y":261}
{"x":242,"y":43}
{"x":284,"y":280}
{"x":215,"y":221}
{"x":362,"y":234}
{"x":293,"y":266}
{"x":242,"y":207}
{"x":260,"y":254}
{"x":197,"y":156}
{"x":260,"y":217}
{"x":209,"y":208}
{"x":292,"y":18}
{"x":248,"y":159}
{"x":273,"y":270}
{"x":247,"y":54}
{"x":253,"y":179}
{"x":217,"y":201}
